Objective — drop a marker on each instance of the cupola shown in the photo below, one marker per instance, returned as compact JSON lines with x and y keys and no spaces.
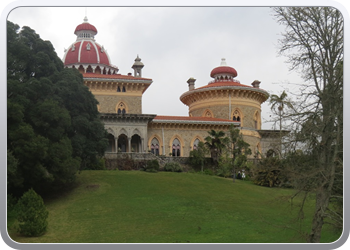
{"x":137,"y":66}
{"x":223,"y":72}
{"x":87,"y":55}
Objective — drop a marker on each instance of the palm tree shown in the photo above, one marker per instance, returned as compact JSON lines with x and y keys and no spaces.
{"x":280,"y":101}
{"x":216,"y":141}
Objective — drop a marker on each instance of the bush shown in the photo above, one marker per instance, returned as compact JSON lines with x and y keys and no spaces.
{"x":31,"y":214}
{"x":152,"y":166}
{"x":173,"y":167}
{"x":269,"y":172}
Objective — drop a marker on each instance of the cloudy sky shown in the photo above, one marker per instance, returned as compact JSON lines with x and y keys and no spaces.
{"x":175,"y":43}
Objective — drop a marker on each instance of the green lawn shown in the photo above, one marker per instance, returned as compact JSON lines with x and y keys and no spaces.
{"x":163,"y":207}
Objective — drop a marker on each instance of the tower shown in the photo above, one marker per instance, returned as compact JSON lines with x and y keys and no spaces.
{"x":137,"y":66}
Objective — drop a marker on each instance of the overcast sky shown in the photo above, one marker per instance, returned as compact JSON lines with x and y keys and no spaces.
{"x":175,"y":43}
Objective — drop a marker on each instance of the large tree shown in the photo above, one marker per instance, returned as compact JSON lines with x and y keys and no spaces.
{"x":313,"y":44}
{"x":52,"y":118}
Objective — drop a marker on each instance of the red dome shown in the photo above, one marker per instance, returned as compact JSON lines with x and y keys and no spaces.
{"x":86,"y":52}
{"x":85,"y":26}
{"x":226,"y":70}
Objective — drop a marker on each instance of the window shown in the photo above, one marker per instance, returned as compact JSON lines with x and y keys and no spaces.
{"x":236,"y":116}
{"x":155,"y":146}
{"x":195,"y":144}
{"x":257,"y":120}
{"x":176,"y":148}
{"x":121,"y":109}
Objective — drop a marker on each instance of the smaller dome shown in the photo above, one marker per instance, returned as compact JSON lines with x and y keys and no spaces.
{"x":86,"y":27}
{"x":138,"y":62}
{"x":223,"y":70}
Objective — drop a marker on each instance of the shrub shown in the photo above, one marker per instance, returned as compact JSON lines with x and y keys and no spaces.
{"x":173,"y":167}
{"x":269,"y":172}
{"x":152,"y":166}
{"x":31,"y":214}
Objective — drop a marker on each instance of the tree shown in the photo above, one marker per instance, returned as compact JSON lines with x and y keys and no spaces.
{"x":52,"y":119}
{"x":313,"y":43}
{"x":239,"y":149}
{"x":280,"y":101}
{"x":31,"y":214}
{"x":197,"y":156}
{"x":215,"y":142}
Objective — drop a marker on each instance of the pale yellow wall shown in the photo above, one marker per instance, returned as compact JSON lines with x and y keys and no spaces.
{"x":108,"y":104}
{"x":187,"y":137}
{"x":223,"y":111}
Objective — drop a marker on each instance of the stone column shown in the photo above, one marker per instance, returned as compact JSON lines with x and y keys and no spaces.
{"x":116,"y":145}
{"x":129,"y":144}
{"x":142,"y":145}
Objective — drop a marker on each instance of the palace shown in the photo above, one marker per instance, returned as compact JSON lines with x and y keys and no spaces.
{"x":219,"y":104}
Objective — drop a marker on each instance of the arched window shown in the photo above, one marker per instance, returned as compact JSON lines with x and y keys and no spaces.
{"x":207,"y":113}
{"x":176,"y":148}
{"x":118,"y":89}
{"x":195,"y":144}
{"x":236,"y":116}
{"x":155,"y":146}
{"x":123,"y":90}
{"x":89,"y":69}
{"x":121,"y":109}
{"x":257,"y":120}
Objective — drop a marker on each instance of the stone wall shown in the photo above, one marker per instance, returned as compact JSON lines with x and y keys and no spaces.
{"x":108,"y":104}
{"x":247,"y":113}
{"x":185,"y":136}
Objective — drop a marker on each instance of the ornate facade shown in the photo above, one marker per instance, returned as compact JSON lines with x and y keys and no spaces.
{"x":219,"y":104}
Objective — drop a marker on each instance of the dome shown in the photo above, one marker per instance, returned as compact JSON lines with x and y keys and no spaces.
{"x":85,"y":52}
{"x":85,"y":27}
{"x":223,"y":70}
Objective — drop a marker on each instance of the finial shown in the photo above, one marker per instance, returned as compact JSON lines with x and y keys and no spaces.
{"x":223,"y":62}
{"x":85,"y":19}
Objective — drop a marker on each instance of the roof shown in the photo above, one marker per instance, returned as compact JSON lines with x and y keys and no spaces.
{"x":222,"y":83}
{"x":223,"y":70}
{"x":86,"y":52}
{"x":85,"y":26}
{"x":189,"y":119}
{"x":114,"y":76}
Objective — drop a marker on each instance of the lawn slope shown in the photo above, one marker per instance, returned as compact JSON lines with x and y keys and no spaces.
{"x":141,"y":207}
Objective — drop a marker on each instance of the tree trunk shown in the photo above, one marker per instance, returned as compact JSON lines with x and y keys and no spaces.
{"x":322,"y":201}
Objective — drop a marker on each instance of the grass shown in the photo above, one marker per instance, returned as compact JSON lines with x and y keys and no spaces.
{"x":164,"y":207}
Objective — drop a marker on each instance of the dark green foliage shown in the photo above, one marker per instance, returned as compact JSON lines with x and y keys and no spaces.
{"x":216,"y":142}
{"x":173,"y":167}
{"x":52,"y":119}
{"x":152,"y":166}
{"x":197,"y":157}
{"x":269,"y":173}
{"x":31,"y":214}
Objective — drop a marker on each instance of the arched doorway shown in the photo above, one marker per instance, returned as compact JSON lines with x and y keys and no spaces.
{"x":111,"y":143}
{"x":122,"y":143}
{"x":136,"y":143}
